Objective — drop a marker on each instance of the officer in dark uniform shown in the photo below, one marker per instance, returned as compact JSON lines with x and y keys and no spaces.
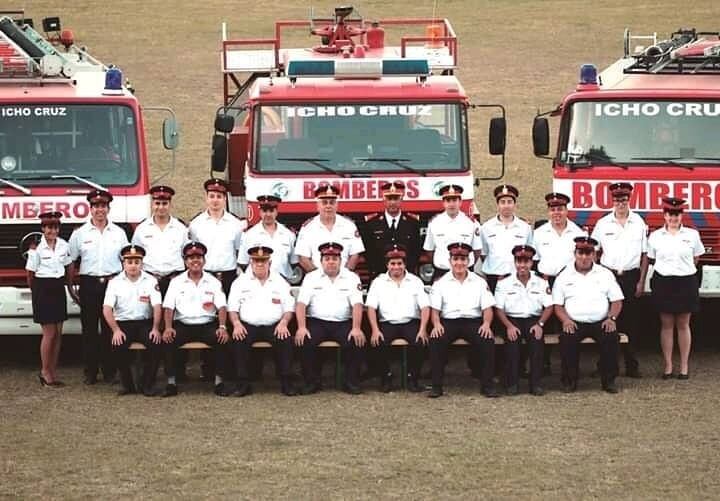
{"x":392,"y":226}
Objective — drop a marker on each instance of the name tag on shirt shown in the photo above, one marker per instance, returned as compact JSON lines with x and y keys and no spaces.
{"x":144,"y":299}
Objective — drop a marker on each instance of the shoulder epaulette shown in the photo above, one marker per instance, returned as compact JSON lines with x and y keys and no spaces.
{"x":412,"y":215}
{"x":180,"y":220}
{"x":307,"y":221}
{"x":196,"y":215}
{"x":370,"y":217}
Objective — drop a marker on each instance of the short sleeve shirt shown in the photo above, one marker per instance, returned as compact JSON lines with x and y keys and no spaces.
{"x":455,"y":299}
{"x":222,"y":237}
{"x":444,"y":230}
{"x":193,"y":303}
{"x":674,"y":254}
{"x":132,"y":300}
{"x":282,"y":242}
{"x":397,"y":302}
{"x":313,"y":233}
{"x":260,"y":303}
{"x":555,"y":250}
{"x":586,"y":296}
{"x":520,"y":300}
{"x":46,"y":262}
{"x":163,"y":246}
{"x":99,"y":251}
{"x":622,"y":245}
{"x":331,"y":300}
{"x":498,"y":240}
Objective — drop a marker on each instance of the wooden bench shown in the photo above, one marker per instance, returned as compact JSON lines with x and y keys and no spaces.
{"x":198,"y":345}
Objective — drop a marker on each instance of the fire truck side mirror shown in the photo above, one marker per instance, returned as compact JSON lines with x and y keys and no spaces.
{"x":541,"y":136}
{"x":498,"y":133}
{"x":171,"y":133}
{"x":218,"y":160}
{"x":224,"y":123}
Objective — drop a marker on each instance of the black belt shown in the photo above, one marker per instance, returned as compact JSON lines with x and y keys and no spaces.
{"x":100,"y":278}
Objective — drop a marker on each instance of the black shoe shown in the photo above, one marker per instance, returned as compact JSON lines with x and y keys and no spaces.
{"x":633,"y":373}
{"x":243,"y":390}
{"x":90,"y":380}
{"x":413,"y":386}
{"x":610,"y":387}
{"x":512,"y":390}
{"x":435,"y":392}
{"x":43,"y":381}
{"x":569,"y":386}
{"x":490,"y":392}
{"x":171,"y":390}
{"x":221,"y":390}
{"x":287,"y":389}
{"x":537,"y":391}
{"x":352,"y":389}
{"x":310,"y":388}
{"x":149,"y":391}
{"x":386,"y":383}
{"x":683,"y":377}
{"x":667,"y":376}
{"x":126,"y":390}
{"x":57,"y":384}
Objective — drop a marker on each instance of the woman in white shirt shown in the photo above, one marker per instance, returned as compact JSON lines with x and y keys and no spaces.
{"x":47,"y":274}
{"x":675,"y":250}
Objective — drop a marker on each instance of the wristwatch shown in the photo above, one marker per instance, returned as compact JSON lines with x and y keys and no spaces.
{"x":613,"y":318}
{"x":541,"y":323}
{"x":222,"y":327}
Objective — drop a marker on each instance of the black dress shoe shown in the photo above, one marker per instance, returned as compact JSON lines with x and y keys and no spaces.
{"x":310,"y":388}
{"x":242,"y":390}
{"x":126,"y":390}
{"x":287,"y":389}
{"x":43,"y":381}
{"x":490,"y":392}
{"x":352,"y":389}
{"x":435,"y":392}
{"x":668,"y":375}
{"x":610,"y":387}
{"x":221,"y":390}
{"x":683,"y":377}
{"x":512,"y":390}
{"x":537,"y":391}
{"x":149,"y":391}
{"x":413,"y":386}
{"x":171,"y":390}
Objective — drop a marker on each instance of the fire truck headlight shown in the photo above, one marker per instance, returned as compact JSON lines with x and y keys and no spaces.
{"x":297,"y":275}
{"x":426,"y":272}
{"x":113,"y":79}
{"x":8,"y":163}
{"x":588,"y":74}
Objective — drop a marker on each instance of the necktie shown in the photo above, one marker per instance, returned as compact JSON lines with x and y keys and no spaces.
{"x":393,"y":226}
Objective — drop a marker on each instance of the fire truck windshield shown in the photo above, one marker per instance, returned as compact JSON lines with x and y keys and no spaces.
{"x":361,"y":138}
{"x":626,"y":133}
{"x":39,"y":144}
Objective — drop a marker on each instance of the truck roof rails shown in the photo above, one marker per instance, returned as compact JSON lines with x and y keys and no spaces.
{"x":686,"y":52}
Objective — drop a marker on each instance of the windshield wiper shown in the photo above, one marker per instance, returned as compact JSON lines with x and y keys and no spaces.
{"x":394,"y":161}
{"x":587,"y":159}
{"x":20,"y":188}
{"x":316,"y":162}
{"x":667,"y":160}
{"x":83,"y":180}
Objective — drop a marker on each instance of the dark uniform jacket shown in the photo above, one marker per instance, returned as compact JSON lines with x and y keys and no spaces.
{"x":377,"y":235}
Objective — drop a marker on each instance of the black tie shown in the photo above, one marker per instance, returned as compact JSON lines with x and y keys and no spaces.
{"x":393,"y":227}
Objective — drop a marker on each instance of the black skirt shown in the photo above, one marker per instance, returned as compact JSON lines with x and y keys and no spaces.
{"x":673,"y":294}
{"x":48,"y":300}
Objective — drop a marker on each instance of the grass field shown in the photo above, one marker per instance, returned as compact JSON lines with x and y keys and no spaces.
{"x":653,"y":440}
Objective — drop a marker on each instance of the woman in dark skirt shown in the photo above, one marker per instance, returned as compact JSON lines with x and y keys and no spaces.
{"x":675,"y":250}
{"x":47,"y":274}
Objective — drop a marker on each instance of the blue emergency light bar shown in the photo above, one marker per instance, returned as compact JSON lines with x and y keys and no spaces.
{"x":358,"y":68}
{"x":588,"y":74}
{"x":113,"y":80}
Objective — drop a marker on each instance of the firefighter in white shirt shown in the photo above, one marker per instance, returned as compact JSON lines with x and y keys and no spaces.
{"x":269,"y":232}
{"x":220,"y":231}
{"x":398,"y":308}
{"x":461,"y":304}
{"x":523,"y":305}
{"x":133,"y":308}
{"x":162,"y":236}
{"x":622,"y":235}
{"x":587,"y":301}
{"x":330,"y":308}
{"x":451,"y":226}
{"x":328,"y":226}
{"x":554,"y":244}
{"x":675,"y":250}
{"x":261,"y":306}
{"x":195,"y":309}
{"x":500,"y":234}
{"x":97,"y":244}
{"x":48,"y":272}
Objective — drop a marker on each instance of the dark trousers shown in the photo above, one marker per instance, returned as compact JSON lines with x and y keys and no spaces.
{"x":467,"y":329}
{"x":226,"y":278}
{"x":535,"y":349}
{"x":628,"y":319}
{"x":137,"y":331}
{"x":324,"y":330}
{"x":185,"y":333}
{"x":407,"y":331}
{"x":95,"y":331}
{"x":242,"y":348}
{"x":570,"y":351}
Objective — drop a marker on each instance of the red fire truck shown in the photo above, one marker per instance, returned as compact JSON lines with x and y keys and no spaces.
{"x":351,"y":111}
{"x":68,"y":124}
{"x":651,"y":118}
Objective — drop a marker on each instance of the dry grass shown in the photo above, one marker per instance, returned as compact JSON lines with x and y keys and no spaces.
{"x":654,"y":440}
